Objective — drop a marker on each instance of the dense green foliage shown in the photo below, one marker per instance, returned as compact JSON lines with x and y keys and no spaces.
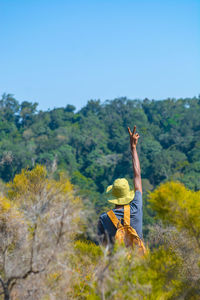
{"x":92,"y":145}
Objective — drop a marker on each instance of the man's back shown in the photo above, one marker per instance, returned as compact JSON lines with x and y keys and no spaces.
{"x":122,"y":195}
{"x":106,"y":229}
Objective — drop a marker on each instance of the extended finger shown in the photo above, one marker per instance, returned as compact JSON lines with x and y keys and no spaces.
{"x":129,"y":131}
{"x":134,"y":130}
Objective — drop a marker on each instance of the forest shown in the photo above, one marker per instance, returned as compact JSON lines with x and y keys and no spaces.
{"x":55,"y":166}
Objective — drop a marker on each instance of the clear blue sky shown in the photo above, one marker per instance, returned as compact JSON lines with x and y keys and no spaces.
{"x":60,"y":52}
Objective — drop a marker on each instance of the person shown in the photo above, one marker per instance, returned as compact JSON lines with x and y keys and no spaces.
{"x":121,"y":195}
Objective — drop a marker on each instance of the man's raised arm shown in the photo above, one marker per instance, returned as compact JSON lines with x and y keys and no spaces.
{"x":135,"y":160}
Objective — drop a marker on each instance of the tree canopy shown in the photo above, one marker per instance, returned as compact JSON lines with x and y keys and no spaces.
{"x":92,"y":145}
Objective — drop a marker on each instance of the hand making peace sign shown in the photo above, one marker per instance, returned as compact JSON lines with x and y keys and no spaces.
{"x":133,"y":137}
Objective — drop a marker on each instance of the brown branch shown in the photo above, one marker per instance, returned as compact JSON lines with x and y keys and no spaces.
{"x":15,"y":278}
{"x":12,"y":280}
{"x":5,"y":290}
{"x":196,"y":235}
{"x":58,"y":237}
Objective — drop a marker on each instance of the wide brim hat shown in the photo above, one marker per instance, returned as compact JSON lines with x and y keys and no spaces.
{"x":120,"y":193}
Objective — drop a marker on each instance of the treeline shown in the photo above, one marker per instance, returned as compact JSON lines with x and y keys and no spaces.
{"x":92,"y":145}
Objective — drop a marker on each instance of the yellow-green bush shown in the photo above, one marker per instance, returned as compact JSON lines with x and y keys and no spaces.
{"x":178,"y":206}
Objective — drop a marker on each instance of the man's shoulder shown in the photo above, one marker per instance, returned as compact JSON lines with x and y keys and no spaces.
{"x":137,"y":200}
{"x":137,"y":196}
{"x":103,"y":216}
{"x":138,"y":193}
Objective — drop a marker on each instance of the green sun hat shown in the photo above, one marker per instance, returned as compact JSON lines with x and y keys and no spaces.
{"x":120,"y":191}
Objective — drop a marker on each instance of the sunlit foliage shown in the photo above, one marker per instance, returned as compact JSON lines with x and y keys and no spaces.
{"x":178,"y":206}
{"x":39,"y":224}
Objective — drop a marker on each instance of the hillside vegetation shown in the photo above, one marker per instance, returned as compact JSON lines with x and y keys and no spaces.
{"x":92,"y":145}
{"x":54,"y":168}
